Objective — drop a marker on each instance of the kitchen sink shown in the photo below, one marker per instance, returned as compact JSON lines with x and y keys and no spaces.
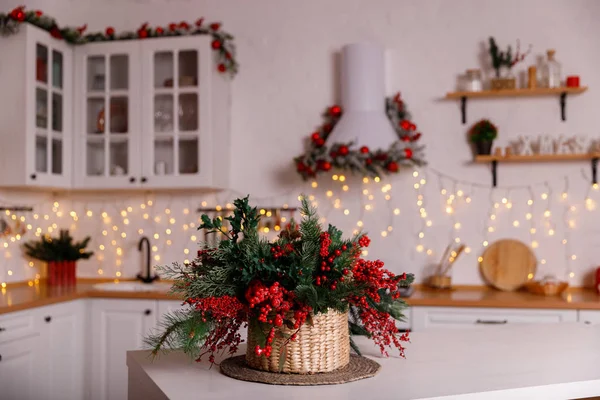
{"x":133,"y":286}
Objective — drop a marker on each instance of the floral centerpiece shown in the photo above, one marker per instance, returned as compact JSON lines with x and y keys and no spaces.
{"x":309,"y":281}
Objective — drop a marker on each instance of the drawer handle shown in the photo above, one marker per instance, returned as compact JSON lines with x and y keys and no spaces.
{"x":586,"y":322}
{"x":2,"y":329}
{"x":148,"y":312}
{"x":491,"y":322}
{"x":48,"y":318}
{"x":0,"y":357}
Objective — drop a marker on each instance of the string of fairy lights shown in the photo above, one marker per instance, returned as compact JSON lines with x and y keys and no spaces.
{"x":171,"y":221}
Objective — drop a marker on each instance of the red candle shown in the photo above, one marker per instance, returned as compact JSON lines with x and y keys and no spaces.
{"x":598,"y":280}
{"x":573,"y":81}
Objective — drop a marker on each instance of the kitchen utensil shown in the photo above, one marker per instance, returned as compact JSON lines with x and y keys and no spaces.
{"x":508,"y":264}
{"x":547,"y":287}
{"x":452,"y":259}
{"x":443,"y":260}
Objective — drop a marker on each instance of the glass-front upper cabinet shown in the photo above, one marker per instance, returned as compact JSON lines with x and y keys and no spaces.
{"x":36,"y":130}
{"x":176,"y":134}
{"x":107,"y":126}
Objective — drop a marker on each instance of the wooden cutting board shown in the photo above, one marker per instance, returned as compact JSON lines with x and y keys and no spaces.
{"x":508,"y":264}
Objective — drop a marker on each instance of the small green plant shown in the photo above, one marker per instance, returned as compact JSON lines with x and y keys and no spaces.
{"x":483,"y":131}
{"x":505,"y":58}
{"x":59,"y":248}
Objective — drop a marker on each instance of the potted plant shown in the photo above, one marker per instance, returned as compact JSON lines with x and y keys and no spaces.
{"x":482,"y":135}
{"x":503,"y":61}
{"x":302,"y":296}
{"x":61,"y":255}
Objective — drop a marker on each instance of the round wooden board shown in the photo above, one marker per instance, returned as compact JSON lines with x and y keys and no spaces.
{"x":508,"y":264}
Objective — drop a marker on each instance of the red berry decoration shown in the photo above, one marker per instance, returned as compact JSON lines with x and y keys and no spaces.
{"x":184,"y":25}
{"x":110,"y":31}
{"x":408,"y":153}
{"x":343,"y":150}
{"x":38,"y":13}
{"x":364,"y":149}
{"x":320,"y":142}
{"x":405,"y":138}
{"x":392,"y":166}
{"x":333,"y":154}
{"x":172,"y":27}
{"x":335,"y":111}
{"x":81,"y":29}
{"x":221,"y":68}
{"x":199,"y":22}
{"x":368,"y":161}
{"x":416,"y":137}
{"x":215,"y":26}
{"x":216,"y":44}
{"x":405,"y":124}
{"x":160,"y":31}
{"x":412,"y":127}
{"x":381,"y":157}
{"x":55,"y":33}
{"x":397,"y":98}
{"x":324,"y":165}
{"x":300,"y":166}
{"x":315,"y":136}
{"x":142,"y":33}
{"x":327,"y":127}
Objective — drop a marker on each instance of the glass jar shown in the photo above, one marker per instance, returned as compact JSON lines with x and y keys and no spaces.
{"x":551,"y":71}
{"x":472,"y":81}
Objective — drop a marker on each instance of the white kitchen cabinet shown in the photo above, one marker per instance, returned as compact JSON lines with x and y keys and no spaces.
{"x":108,"y":115}
{"x":36,"y":129}
{"x":61,"y":336}
{"x":152,"y":114}
{"x":589,"y":317}
{"x":463,"y":317}
{"x":117,"y":326}
{"x":21,"y":374}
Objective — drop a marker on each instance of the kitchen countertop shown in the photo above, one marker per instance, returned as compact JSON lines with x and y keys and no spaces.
{"x":509,"y":362}
{"x":21,"y":297}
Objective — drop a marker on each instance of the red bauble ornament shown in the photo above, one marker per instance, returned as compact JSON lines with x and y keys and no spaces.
{"x":364,"y":149}
{"x":215,"y":26}
{"x":38,"y":13}
{"x":20,"y":16}
{"x":221,"y":68}
{"x":110,"y":31}
{"x":324,"y":165}
{"x":392,"y":166}
{"x":368,"y":161}
{"x":405,"y":138}
{"x":416,"y":137}
{"x":160,"y":31}
{"x":343,"y":150}
{"x":172,"y":27}
{"x":216,"y":44}
{"x":315,"y":136}
{"x":300,"y":166}
{"x":143,"y":33}
{"x":408,"y":153}
{"x":335,"y":111}
{"x":412,"y":127}
{"x":184,"y":25}
{"x":320,"y":142}
{"x":405,"y":124}
{"x":199,"y":21}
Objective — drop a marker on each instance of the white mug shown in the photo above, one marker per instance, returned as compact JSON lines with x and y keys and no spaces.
{"x":160,"y":168}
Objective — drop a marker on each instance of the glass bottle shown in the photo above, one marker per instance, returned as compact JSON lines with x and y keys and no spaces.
{"x":551,"y":71}
{"x":473,"y":81}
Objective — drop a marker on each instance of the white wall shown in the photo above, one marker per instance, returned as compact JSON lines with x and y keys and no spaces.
{"x":287,"y":51}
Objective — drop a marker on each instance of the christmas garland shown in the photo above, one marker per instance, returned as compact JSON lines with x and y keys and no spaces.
{"x":320,"y":158}
{"x":222,"y":42}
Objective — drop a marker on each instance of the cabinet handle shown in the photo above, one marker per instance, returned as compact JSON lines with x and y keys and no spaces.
{"x":585,"y":322}
{"x":144,"y":179}
{"x":0,"y":357}
{"x":491,"y":322}
{"x":132,"y":179}
{"x":2,"y":329}
{"x":48,"y":318}
{"x":148,"y":312}
{"x":33,"y":176}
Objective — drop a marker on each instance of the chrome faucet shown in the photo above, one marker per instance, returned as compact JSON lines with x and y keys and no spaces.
{"x":148,"y":278}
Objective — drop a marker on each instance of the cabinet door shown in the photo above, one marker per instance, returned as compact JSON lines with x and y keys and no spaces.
{"x":62,"y":341}
{"x":49,"y":132}
{"x":21,"y":377}
{"x":117,"y":326}
{"x":177,"y":131}
{"x":107,"y":123}
{"x":589,"y":317}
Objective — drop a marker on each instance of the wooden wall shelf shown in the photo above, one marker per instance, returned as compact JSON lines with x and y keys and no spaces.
{"x":538,"y":158}
{"x":490,"y":94}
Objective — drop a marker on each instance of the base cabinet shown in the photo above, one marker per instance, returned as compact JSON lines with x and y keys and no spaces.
{"x":19,"y":370}
{"x":589,"y":317}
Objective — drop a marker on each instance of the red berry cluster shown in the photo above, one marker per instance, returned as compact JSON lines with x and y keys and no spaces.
{"x":227,"y":314}
{"x":328,"y":257}
{"x":277,"y":251}
{"x":272,"y":304}
{"x":375,"y":277}
{"x":364,"y":241}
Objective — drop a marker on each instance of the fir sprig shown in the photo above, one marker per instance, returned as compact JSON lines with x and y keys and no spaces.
{"x":61,"y":248}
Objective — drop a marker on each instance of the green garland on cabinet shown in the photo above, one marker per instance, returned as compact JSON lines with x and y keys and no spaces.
{"x":222,"y":42}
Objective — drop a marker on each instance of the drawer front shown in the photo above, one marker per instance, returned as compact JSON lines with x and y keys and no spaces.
{"x":451,"y":317}
{"x":16,"y":325}
{"x":589,"y":317}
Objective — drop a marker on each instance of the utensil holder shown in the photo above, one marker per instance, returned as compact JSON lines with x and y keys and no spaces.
{"x":440,"y":281}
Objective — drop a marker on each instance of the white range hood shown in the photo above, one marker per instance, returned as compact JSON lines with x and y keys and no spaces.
{"x":364,"y":121}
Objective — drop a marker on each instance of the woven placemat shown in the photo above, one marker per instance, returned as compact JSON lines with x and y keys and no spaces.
{"x":358,"y":368}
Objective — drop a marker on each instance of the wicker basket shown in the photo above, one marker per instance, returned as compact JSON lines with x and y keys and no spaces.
{"x":321,"y":347}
